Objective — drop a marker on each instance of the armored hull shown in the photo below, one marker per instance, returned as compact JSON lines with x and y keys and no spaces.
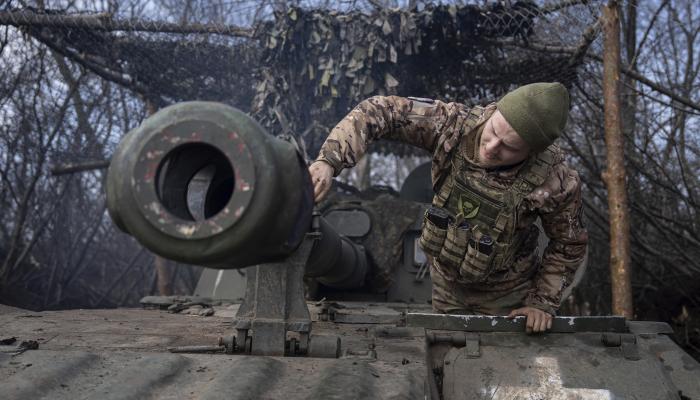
{"x":123,"y":354}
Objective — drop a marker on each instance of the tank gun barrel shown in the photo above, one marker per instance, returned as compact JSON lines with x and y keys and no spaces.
{"x":203,"y":183}
{"x":336,"y":261}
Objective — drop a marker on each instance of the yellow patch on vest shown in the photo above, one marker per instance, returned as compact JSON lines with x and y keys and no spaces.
{"x":468,"y":208}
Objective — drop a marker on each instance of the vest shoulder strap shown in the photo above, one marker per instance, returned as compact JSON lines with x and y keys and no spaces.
{"x":471,"y":118}
{"x":536,"y":171}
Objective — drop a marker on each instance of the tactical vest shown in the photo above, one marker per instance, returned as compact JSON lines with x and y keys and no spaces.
{"x":471,"y":230}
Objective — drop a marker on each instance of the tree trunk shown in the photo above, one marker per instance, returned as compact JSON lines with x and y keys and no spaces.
{"x":614,"y":176}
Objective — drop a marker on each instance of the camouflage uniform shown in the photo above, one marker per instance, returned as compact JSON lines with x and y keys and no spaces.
{"x":449,"y":129}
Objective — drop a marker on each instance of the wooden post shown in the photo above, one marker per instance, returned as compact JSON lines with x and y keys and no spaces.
{"x":163,"y":273}
{"x":614,"y":176}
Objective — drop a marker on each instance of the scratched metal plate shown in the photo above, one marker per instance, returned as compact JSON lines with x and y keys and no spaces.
{"x":487,"y":323}
{"x":552,"y":367}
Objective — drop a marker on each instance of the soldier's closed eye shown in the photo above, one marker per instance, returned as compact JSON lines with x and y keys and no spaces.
{"x":502,"y":142}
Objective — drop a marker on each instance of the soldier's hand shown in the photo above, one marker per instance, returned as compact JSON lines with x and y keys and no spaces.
{"x":537,"y":320}
{"x":321,"y":175}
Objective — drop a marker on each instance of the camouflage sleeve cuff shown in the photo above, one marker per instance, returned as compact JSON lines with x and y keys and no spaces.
{"x":533,"y":300}
{"x":336,"y":165}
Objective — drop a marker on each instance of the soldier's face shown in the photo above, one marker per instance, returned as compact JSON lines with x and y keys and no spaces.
{"x":500,"y":145}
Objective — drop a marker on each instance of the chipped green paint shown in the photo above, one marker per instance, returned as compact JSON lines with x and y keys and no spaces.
{"x":252,"y":174}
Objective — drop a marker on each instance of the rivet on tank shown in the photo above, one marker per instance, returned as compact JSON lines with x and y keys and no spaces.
{"x":197,"y":181}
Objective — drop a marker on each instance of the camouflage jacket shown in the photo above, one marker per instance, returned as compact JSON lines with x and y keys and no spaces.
{"x":442,"y":127}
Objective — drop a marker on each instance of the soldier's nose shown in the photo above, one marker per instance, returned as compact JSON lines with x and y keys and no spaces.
{"x":492,"y":145}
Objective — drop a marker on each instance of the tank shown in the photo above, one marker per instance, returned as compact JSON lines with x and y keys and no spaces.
{"x":298,"y":302}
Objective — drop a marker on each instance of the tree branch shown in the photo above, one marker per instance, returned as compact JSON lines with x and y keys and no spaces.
{"x":104,"y":22}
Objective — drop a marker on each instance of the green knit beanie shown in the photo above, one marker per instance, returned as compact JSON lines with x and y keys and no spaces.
{"x":537,"y":112}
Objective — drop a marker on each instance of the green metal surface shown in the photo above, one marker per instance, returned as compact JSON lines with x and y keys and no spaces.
{"x":256,"y":207}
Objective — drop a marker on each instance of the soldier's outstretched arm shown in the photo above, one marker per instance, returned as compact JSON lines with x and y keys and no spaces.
{"x":560,"y":208}
{"x":418,"y":122}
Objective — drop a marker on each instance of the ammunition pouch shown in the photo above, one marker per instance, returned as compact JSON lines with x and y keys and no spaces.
{"x":455,"y":246}
{"x":479,"y":260}
{"x":432,"y":237}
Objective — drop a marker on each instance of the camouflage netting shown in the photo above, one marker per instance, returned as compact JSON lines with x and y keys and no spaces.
{"x":318,"y":65}
{"x":300,"y":71}
{"x":158,"y":68}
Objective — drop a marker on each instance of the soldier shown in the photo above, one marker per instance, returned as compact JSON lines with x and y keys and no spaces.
{"x":495,"y":169}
